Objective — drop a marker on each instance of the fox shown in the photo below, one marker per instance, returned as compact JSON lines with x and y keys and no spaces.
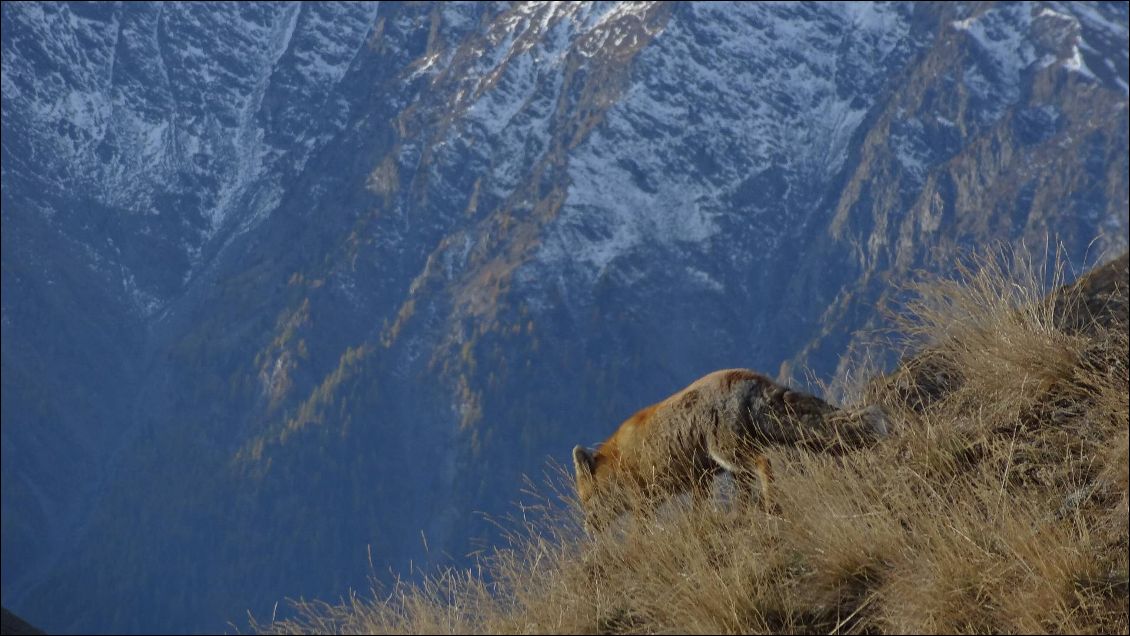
{"x":722,"y":422}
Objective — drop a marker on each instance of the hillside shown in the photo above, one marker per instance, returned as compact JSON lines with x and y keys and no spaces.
{"x":998,"y":503}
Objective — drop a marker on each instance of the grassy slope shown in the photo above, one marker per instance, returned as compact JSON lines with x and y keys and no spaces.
{"x":998,"y":504}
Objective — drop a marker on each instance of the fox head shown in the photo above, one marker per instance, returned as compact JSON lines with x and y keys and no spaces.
{"x":596,"y":488}
{"x":584,"y":467}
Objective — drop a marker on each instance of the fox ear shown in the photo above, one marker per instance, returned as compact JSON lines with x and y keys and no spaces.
{"x":582,"y":462}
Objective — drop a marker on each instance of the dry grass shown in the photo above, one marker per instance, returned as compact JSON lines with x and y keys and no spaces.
{"x":998,"y":504}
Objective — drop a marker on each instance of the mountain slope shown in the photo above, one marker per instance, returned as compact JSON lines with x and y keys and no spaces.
{"x":997,"y":500}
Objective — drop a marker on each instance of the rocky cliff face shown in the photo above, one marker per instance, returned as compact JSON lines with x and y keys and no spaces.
{"x":287,"y":285}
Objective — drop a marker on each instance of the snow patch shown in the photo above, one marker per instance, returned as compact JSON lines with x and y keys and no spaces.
{"x":665,"y":171}
{"x":1075,"y":63}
